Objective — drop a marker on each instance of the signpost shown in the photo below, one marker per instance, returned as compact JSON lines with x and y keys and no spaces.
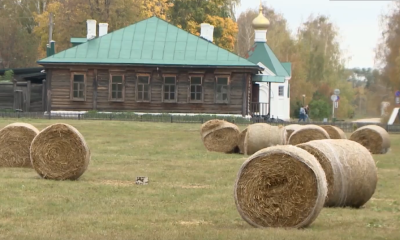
{"x":335,"y":102}
{"x":333,"y":98}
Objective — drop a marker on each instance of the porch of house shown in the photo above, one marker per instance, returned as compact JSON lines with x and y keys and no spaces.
{"x":259,"y":105}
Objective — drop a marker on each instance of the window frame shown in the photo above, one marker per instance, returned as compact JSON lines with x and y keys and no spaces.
{"x":72,"y":98}
{"x":110,"y":88}
{"x":190,"y":88}
{"x":175,"y":92}
{"x":283,"y":91}
{"x":137,"y":89}
{"x":228,"y":84}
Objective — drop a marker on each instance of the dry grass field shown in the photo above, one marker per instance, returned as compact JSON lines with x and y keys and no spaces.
{"x":189,"y":196}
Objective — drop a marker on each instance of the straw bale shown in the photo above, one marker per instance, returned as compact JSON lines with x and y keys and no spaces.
{"x":334,"y":132}
{"x":60,"y":152}
{"x":308,"y":133}
{"x":220,"y":136}
{"x":349,"y":168}
{"x":375,"y":138}
{"x":262,"y":135}
{"x":290,"y":129}
{"x":280,"y":186}
{"x":15,"y":141}
{"x":242,"y":137}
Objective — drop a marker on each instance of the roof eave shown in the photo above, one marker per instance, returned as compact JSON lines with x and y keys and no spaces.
{"x":255,"y":67}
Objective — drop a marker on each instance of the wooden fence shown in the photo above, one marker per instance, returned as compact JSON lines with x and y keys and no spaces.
{"x":6,"y":95}
{"x":21,"y":96}
{"x":166,"y":118}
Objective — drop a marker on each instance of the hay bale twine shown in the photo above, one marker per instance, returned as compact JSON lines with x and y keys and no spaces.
{"x":374,"y":138}
{"x":60,"y":152}
{"x":349,"y":168}
{"x":308,"y":133}
{"x":15,"y":142}
{"x":280,"y":186}
{"x":220,"y":136}
{"x":242,"y":137}
{"x":290,"y":129}
{"x":262,"y":135}
{"x":334,"y":132}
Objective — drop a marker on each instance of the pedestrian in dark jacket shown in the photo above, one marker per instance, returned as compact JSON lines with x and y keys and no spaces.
{"x":302,"y":115}
{"x":307,"y":110}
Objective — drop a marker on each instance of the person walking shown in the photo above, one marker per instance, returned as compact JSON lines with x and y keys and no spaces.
{"x":302,"y":115}
{"x":307,"y":110}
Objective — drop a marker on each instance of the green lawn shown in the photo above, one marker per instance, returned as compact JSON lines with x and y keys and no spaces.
{"x":190,"y":194}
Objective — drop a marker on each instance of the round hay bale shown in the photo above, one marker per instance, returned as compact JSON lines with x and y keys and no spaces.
{"x":220,"y":136}
{"x":280,"y":186}
{"x":349,"y":168}
{"x":290,"y":129}
{"x":60,"y":152}
{"x":262,"y":135}
{"x":373,"y":137}
{"x":15,"y":142}
{"x":242,"y":137}
{"x":334,"y":132}
{"x":308,"y":133}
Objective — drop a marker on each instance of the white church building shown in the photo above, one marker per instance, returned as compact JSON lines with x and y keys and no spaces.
{"x":271,"y":87}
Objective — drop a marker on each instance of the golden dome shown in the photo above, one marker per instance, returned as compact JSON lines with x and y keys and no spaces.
{"x":261,"y":22}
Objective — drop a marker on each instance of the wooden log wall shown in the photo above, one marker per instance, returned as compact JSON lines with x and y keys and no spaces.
{"x":36,"y":98}
{"x":97,"y":91}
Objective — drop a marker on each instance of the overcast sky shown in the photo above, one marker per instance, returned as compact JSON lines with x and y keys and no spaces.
{"x":358,"y":22}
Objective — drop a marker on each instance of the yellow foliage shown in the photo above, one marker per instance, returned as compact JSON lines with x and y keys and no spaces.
{"x":192,"y":27}
{"x":229,"y":31}
{"x":157,"y":8}
{"x":69,"y":17}
{"x":67,"y":23}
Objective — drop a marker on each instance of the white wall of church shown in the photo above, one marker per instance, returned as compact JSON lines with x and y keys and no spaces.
{"x":280,"y":100}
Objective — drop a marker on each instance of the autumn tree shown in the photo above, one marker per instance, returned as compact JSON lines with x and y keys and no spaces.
{"x":225,"y":30}
{"x":70,"y":19}
{"x":387,"y":52}
{"x":319,"y":65}
{"x":188,"y":15}
{"x":232,"y":5}
{"x":278,"y":35}
{"x":185,"y":11}
{"x":17,"y":45}
{"x":157,"y":8}
{"x":245,"y":36}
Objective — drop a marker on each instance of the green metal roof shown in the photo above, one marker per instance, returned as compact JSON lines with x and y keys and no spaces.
{"x":261,"y":52}
{"x":78,"y":40}
{"x":288,"y":67}
{"x":150,"y":42}
{"x":267,"y":78}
